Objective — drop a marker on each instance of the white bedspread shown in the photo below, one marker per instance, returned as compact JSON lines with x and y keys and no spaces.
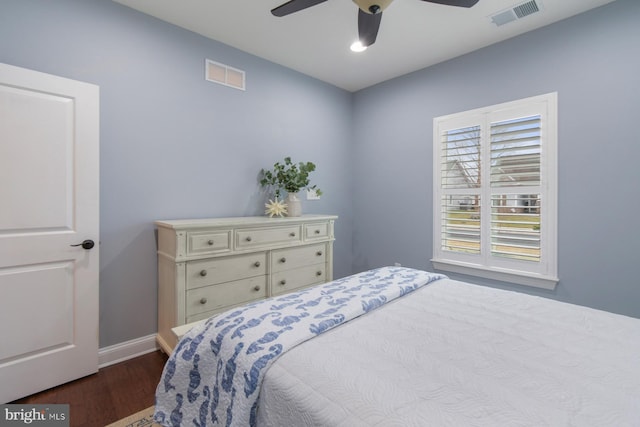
{"x":455,"y":354}
{"x":214,"y":375}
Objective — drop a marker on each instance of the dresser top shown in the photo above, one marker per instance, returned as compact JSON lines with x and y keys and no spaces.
{"x":240,"y":221}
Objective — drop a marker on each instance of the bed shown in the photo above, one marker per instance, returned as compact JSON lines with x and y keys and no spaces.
{"x":396,"y":346}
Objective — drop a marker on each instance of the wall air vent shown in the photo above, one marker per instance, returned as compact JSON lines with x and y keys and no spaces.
{"x":224,"y":75}
{"x":516,"y":12}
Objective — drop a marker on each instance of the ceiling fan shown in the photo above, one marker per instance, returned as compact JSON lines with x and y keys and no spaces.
{"x":369,"y":13}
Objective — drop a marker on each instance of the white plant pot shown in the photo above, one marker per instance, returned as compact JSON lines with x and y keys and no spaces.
{"x":294,"y":205}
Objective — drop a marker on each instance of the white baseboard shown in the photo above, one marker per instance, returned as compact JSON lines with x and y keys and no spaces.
{"x":126,"y":350}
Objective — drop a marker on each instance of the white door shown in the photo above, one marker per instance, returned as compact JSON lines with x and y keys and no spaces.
{"x":49,"y":148}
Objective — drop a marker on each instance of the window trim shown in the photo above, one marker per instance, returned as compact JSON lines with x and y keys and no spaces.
{"x":544,"y":275}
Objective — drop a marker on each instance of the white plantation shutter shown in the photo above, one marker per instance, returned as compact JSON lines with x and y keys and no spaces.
{"x":495,"y":192}
{"x":461,"y":158}
{"x":461,"y":184}
{"x":515,"y":169}
{"x":515,"y":152}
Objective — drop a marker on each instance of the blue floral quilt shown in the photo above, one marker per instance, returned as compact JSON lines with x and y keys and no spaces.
{"x":214,"y":375}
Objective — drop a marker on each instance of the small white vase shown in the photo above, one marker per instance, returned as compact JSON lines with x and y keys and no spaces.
{"x":294,"y":205}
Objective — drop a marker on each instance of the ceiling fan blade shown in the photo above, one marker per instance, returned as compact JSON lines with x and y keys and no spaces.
{"x":294,"y":6}
{"x":368,"y":25}
{"x":460,"y":3}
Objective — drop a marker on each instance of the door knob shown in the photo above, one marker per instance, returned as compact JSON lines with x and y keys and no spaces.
{"x":87,"y":244}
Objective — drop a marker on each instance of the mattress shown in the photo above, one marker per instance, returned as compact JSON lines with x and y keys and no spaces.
{"x":457,"y":354}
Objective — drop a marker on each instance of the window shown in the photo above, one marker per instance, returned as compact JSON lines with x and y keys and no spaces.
{"x":495,"y":186}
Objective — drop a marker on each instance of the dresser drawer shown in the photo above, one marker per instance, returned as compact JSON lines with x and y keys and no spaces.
{"x":287,"y":259}
{"x":256,"y":237}
{"x":289,"y":280}
{"x":208,"y":242}
{"x":219,"y":270}
{"x":214,"y":297}
{"x":318,"y":230}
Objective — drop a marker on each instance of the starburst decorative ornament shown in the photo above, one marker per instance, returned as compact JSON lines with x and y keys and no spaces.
{"x":275,"y":208}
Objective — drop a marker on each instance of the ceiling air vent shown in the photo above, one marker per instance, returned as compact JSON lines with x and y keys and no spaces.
{"x":526,"y":9}
{"x":225,"y":75}
{"x":516,"y":12}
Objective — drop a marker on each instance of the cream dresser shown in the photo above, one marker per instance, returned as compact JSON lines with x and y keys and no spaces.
{"x":206,"y":266}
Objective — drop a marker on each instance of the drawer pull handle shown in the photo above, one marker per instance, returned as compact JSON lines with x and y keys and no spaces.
{"x":248,"y":239}
{"x":257,"y":288}
{"x":319,"y":253}
{"x":317,"y":231}
{"x":318,"y":273}
{"x":283,"y":260}
{"x":203,"y":273}
{"x":257,"y":263}
{"x":203,"y":300}
{"x":283,"y":282}
{"x":210,"y":242}
{"x":292,"y":234}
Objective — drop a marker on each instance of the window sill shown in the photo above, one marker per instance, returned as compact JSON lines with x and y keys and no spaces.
{"x":503,"y":275}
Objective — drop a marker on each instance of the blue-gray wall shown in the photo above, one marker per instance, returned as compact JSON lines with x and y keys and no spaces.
{"x":176,"y":146}
{"x":173,"y":145}
{"x":593,"y":62}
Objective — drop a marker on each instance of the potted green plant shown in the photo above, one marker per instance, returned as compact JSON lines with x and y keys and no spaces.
{"x":292,"y":178}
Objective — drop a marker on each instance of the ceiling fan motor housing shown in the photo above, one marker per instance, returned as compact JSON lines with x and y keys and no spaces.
{"x":372,"y":6}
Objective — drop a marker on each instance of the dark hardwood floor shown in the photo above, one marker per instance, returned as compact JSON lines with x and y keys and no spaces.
{"x":111,"y":394}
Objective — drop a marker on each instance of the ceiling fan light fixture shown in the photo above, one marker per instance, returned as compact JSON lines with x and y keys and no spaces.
{"x":358,"y":47}
{"x":372,"y":6}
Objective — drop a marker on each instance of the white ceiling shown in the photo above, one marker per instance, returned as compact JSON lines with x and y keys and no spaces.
{"x":413,"y":34}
